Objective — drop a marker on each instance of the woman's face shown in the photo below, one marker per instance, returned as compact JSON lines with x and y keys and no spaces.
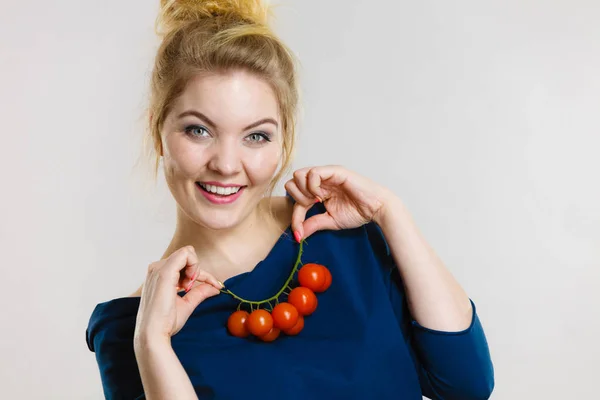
{"x":221,"y":147}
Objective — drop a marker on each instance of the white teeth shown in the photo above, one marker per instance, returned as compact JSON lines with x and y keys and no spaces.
{"x":223,"y":191}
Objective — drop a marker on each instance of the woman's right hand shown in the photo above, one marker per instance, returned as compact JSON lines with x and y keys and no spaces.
{"x":162,"y":312}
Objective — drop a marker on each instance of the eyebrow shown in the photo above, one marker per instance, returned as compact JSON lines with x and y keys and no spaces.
{"x":203,"y":117}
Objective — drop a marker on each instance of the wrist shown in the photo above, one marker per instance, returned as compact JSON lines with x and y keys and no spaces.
{"x":145,"y":342}
{"x":389,"y":203}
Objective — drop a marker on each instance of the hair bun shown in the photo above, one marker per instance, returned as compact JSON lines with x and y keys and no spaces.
{"x":174,"y":13}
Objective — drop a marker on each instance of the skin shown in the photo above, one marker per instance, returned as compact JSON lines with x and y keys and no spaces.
{"x":212,"y":242}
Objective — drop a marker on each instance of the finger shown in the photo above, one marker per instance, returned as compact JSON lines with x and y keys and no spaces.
{"x":294,"y":191}
{"x":302,"y":184}
{"x":313,"y":182}
{"x":319,"y":222}
{"x":334,"y":175}
{"x":298,"y":216}
{"x":183,"y":265}
{"x":207,"y":278}
{"x":197,"y":295}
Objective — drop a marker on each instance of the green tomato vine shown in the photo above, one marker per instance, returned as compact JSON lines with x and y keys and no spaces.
{"x":275,"y":298}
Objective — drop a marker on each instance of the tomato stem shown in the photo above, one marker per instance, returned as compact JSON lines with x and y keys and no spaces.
{"x":283,"y":289}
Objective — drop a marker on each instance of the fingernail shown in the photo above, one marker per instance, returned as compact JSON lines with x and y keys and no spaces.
{"x":194,"y":277}
{"x":189,"y":286}
{"x":297,"y":236}
{"x":222,"y":284}
{"x":318,"y":200}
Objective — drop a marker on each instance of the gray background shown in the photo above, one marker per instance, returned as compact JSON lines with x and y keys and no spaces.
{"x":482,"y":116}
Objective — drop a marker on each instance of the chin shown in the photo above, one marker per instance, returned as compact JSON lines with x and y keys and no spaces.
{"x":218,"y":220}
{"x":222,"y":217}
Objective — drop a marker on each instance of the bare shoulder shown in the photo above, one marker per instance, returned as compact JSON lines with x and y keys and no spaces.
{"x":137,"y":293}
{"x":282,"y":204}
{"x":282,"y":208}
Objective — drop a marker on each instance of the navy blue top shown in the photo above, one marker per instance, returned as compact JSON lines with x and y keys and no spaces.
{"x":360,"y":343}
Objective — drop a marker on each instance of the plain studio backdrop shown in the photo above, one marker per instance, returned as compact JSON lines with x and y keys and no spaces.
{"x":482,"y":116}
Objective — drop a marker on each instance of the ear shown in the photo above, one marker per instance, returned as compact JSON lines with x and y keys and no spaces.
{"x":160,"y":147}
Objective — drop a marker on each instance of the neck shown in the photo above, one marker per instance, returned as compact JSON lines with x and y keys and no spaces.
{"x":231,"y":251}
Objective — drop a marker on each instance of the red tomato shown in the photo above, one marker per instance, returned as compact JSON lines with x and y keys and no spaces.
{"x":312,"y":276}
{"x":259,"y":322}
{"x":296,"y":328}
{"x":303,"y":299}
{"x":236,"y":324}
{"x":271,"y":335}
{"x":327,"y":280}
{"x":284,"y":315}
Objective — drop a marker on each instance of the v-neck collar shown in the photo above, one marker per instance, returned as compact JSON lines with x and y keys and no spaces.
{"x":278,"y":262}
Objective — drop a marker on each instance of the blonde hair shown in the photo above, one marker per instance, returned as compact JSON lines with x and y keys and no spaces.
{"x":201,"y":36}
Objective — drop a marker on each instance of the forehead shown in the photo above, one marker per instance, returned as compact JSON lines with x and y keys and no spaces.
{"x":236,"y":95}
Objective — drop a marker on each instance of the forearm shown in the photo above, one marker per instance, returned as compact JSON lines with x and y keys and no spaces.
{"x":435,"y":298}
{"x":163,"y":376}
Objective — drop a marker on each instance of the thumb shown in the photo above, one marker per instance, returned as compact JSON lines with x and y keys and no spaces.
{"x":197,"y":295}
{"x":319,"y":222}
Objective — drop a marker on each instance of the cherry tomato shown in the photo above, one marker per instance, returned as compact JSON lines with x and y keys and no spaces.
{"x":296,"y":328}
{"x":303,"y":299}
{"x":271,"y":335}
{"x":284,"y":315}
{"x":236,"y":324}
{"x":327,"y":280}
{"x":312,"y":276}
{"x":259,"y":322}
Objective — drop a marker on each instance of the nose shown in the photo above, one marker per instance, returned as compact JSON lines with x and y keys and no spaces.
{"x":225,"y":158}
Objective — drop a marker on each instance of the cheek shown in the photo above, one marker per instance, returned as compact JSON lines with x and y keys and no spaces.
{"x":181,"y":160}
{"x":261,"y":165}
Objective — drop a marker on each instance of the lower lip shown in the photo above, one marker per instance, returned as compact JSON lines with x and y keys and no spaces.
{"x":217,"y":199}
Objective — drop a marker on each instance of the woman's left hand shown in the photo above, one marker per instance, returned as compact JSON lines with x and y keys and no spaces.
{"x":351,"y":200}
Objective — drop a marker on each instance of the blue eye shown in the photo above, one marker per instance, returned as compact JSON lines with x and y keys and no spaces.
{"x":258,"y":137}
{"x":196,"y":131}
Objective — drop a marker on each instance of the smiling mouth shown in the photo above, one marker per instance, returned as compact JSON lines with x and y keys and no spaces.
{"x":219,"y":190}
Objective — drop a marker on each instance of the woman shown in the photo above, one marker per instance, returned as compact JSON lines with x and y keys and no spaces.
{"x":393,"y":323}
